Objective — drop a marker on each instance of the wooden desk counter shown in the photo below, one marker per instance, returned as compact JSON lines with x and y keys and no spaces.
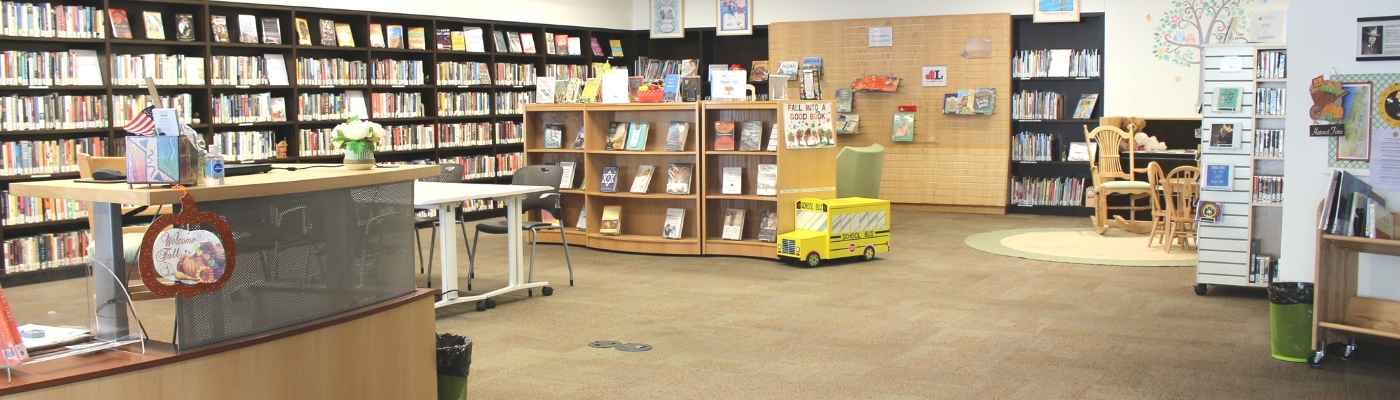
{"x":272,"y":183}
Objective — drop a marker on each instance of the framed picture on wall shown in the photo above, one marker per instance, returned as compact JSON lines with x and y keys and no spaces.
{"x":1376,"y":38}
{"x":734,"y":17}
{"x":1355,"y":143}
{"x":667,"y":19}
{"x":1056,"y":11}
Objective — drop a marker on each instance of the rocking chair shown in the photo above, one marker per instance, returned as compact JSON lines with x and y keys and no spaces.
{"x":1110,"y":179}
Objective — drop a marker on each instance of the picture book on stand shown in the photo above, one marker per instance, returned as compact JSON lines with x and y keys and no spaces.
{"x":1086,"y":106}
{"x":527,"y":42}
{"x":642,"y":180}
{"x":448,"y":39}
{"x":417,"y":39}
{"x":724,"y":135}
{"x":751,"y":137}
{"x":675,"y":136}
{"x":732,"y":182}
{"x":393,"y":36}
{"x":675,"y":220}
{"x":247,"y":28}
{"x":376,"y":36}
{"x":733,"y":224}
{"x":617,"y":135}
{"x":767,"y":180}
{"x":578,"y":138}
{"x":155,"y":27}
{"x":612,"y":221}
{"x":768,"y":227}
{"x":554,"y":136}
{"x":567,"y":181}
{"x":549,"y":43}
{"x":678,"y":178}
{"x":218,"y":28}
{"x":272,"y":30}
{"x":500,"y":41}
{"x":184,"y":27}
{"x":582,"y":223}
{"x":121,"y":26}
{"x":609,"y":182}
{"x":327,"y":32}
{"x":597,"y":47}
{"x":303,"y":32}
{"x":476,"y":43}
{"x":343,"y":35}
{"x":637,"y":136}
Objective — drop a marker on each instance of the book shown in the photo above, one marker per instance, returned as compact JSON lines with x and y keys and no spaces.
{"x":733,"y":224}
{"x":642,"y":180}
{"x":548,"y":218}
{"x":751,"y":136}
{"x":303,"y":32}
{"x":121,"y":26}
{"x":759,"y":72}
{"x":448,"y":39}
{"x":597,"y":47}
{"x":272,"y":30}
{"x":768,"y":227}
{"x":327,"y":32}
{"x":561,"y":44}
{"x":675,"y":220}
{"x":218,"y":25}
{"x":417,"y":38}
{"x":376,"y":36}
{"x":343,"y":36}
{"x":1086,"y":106}
{"x":1080,"y":151}
{"x":724,"y":135}
{"x":549,"y":46}
{"x":609,"y":182}
{"x":773,"y":139}
{"x":671,"y":88}
{"x":616,"y":45}
{"x":1210,"y":212}
{"x":11,"y":343}
{"x":848,"y":123}
{"x":247,"y":28}
{"x":1380,"y":223}
{"x":903,"y":128}
{"x":475,"y":42}
{"x":767,"y":180}
{"x":582,"y":223}
{"x":1059,"y":63}
{"x":617,"y":135}
{"x":590,"y":90}
{"x":500,"y":41}
{"x":567,"y":182}
{"x":1219,"y":177}
{"x":809,"y":85}
{"x":574,"y":46}
{"x":1347,"y":188}
{"x":612,"y":221}
{"x":787,"y":68}
{"x":393,"y":36}
{"x":544,"y":89}
{"x":527,"y":42}
{"x":844,"y":97}
{"x":637,"y":136}
{"x":578,"y":138}
{"x":732,"y":181}
{"x":554,"y":136}
{"x":675,"y":135}
{"x":278,"y":107}
{"x":1324,"y":222}
{"x":184,"y":27}
{"x":513,"y":42}
{"x":678,"y":178}
{"x":1227,"y":99}
{"x":690,"y":89}
{"x":984,"y":101}
{"x":812,"y":63}
{"x":1222,"y":136}
{"x":155,"y":27}
{"x":276,"y":69}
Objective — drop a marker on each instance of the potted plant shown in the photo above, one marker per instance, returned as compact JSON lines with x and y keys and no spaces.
{"x":358,"y":138}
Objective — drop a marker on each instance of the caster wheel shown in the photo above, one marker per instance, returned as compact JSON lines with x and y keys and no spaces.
{"x":1349,"y":352}
{"x":481,"y":305}
{"x":869,"y":253}
{"x":490,"y":303}
{"x":1200,"y":289}
{"x":1316,"y":360}
{"x":813,"y":260}
{"x":547,"y":291}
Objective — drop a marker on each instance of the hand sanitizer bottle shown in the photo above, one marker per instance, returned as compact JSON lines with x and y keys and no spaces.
{"x":214,"y":166}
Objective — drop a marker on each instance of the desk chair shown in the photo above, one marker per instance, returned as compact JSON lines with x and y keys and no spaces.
{"x":530,"y":175}
{"x":1182,"y":189}
{"x":450,"y":173}
{"x":1155,"y":179}
{"x":1111,"y":179}
{"x":858,"y":171}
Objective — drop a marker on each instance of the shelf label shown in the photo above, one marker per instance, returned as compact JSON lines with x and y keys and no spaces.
{"x":1028,"y":162}
{"x":397,"y":86}
{"x":246,"y":124}
{"x":240,"y":86}
{"x":42,"y":176}
{"x":39,"y":87}
{"x":246,"y":162}
{"x":1082,"y":77}
{"x":808,"y":190}
{"x":327,"y":86}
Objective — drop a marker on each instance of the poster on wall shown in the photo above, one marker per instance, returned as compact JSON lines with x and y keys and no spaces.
{"x":667,"y":19}
{"x":1388,"y":107}
{"x":1056,"y":11}
{"x":1378,"y":38}
{"x":808,"y":125}
{"x":1355,"y":143}
{"x":734,"y":17}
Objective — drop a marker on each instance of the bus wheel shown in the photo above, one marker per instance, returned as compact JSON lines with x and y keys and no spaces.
{"x":813,"y":259}
{"x":869,"y":253}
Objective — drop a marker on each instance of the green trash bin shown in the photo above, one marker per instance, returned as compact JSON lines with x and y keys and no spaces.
{"x":454,"y":360}
{"x":1290,"y":320}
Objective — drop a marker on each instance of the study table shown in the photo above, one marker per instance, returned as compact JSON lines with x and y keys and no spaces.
{"x":445,"y":198}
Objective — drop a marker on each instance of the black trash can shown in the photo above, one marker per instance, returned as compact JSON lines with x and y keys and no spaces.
{"x":1290,"y":320}
{"x":454,"y":360}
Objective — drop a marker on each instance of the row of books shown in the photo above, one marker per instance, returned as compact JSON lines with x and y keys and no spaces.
{"x":1268,"y":143}
{"x":51,"y":20}
{"x":1262,"y":268}
{"x":241,"y":70}
{"x":1272,"y":64}
{"x":1036,"y":105}
{"x":33,"y":157}
{"x":678,"y":178}
{"x":1351,"y":208}
{"x":672,"y":227}
{"x":127,"y":106}
{"x":53,"y":111}
{"x":463,"y":73}
{"x":324,"y":106}
{"x":451,"y":104}
{"x":1041,"y":191}
{"x":407,"y":137}
{"x":397,"y":72}
{"x":468,"y":134}
{"x":1269,"y":101}
{"x":625,"y":136}
{"x":241,"y":108}
{"x":467,"y":39}
{"x":1056,"y":63}
{"x":49,"y":68}
{"x":653,"y":70}
{"x":732,"y":180}
{"x":568,"y":71}
{"x":967,"y":102}
{"x":49,"y":250}
{"x":513,"y":103}
{"x":1032,"y":146}
{"x":164,"y":69}
{"x":487,"y":165}
{"x":246,"y":146}
{"x":508,"y":74}
{"x":393,"y":36}
{"x":331,"y":71}
{"x":1267,"y":189}
{"x":397,"y":105}
{"x":19,"y":210}
{"x":317,"y":142}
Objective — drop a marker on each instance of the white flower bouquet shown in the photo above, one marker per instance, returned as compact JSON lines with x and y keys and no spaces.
{"x":357,"y":136}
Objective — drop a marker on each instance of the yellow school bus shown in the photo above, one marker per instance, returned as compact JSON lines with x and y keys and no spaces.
{"x":837,"y":228}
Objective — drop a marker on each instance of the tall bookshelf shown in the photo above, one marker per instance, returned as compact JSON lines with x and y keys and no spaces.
{"x":702,"y":44}
{"x":1251,"y":223}
{"x":200,"y":95}
{"x":1087,"y":34}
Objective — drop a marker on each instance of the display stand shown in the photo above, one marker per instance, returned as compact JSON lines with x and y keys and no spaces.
{"x":1338,"y":310}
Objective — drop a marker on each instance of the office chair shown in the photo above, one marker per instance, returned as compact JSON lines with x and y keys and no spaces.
{"x":531,"y":175}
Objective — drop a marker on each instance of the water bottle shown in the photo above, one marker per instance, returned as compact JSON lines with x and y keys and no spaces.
{"x":214,"y":166}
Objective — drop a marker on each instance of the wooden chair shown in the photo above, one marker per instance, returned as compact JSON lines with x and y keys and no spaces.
{"x":1110,"y":179}
{"x":1155,"y":178}
{"x":1181,"y":189}
{"x":87,"y":164}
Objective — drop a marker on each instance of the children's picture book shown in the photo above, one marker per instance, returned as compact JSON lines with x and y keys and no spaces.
{"x":393,"y":35}
{"x":1227,"y":99}
{"x":616,"y":45}
{"x":812,"y":63}
{"x":767,"y":180}
{"x":844,"y":96}
{"x":617,"y":135}
{"x":642,"y":180}
{"x":675,"y":220}
{"x":513,"y":42}
{"x":567,"y":181}
{"x":732,"y":182}
{"x":272,"y":30}
{"x":303,"y":32}
{"x":500,"y":39}
{"x":155,"y":27}
{"x":1217,"y":176}
{"x":951,"y":102}
{"x":609,"y":182}
{"x":759,"y":72}
{"x":1086,"y":106}
{"x":984,"y":101}
{"x":612,"y":221}
{"x":247,"y":28}
{"x":1222,"y":136}
{"x":218,"y":28}
{"x":327,"y":32}
{"x":678,"y":178}
{"x":184,"y":27}
{"x":788,"y":68}
{"x":1210,"y":212}
{"x":733,"y":224}
{"x":554,"y":136}
{"x":768,"y":227}
{"x":724,"y":135}
{"x":848,"y":123}
{"x":637,"y":136}
{"x":751,"y":136}
{"x":903,"y":129}
{"x":417,"y":39}
{"x":343,"y":36}
{"x":121,"y":27}
{"x":376,"y":36}
{"x":578,"y":138}
{"x":582,"y":223}
{"x":676,"y":134}
{"x":451,"y":40}
{"x":597,"y":47}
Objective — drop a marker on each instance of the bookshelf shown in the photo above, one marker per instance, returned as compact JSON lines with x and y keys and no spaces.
{"x":1087,"y":34}
{"x":702,"y":44}
{"x":485,"y":140}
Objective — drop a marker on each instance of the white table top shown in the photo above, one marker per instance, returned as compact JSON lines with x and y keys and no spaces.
{"x":431,"y":193}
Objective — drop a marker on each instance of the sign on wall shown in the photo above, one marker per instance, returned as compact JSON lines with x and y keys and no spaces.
{"x":935,"y":76}
{"x":881,"y":36}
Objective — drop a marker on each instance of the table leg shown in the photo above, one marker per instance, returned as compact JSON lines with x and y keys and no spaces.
{"x":446,"y":219}
{"x":513,"y":239}
{"x":111,"y":301}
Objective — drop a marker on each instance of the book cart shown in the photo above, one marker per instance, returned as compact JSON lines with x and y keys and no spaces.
{"x":1337,"y":310}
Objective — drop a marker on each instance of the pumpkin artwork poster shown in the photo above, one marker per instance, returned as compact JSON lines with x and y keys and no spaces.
{"x":808,"y":125}
{"x":193,"y":250}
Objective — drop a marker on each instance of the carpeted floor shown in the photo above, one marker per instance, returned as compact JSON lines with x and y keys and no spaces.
{"x":1082,"y":246}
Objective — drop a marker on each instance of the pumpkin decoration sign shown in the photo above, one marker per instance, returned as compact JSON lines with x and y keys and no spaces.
{"x":191,"y":260}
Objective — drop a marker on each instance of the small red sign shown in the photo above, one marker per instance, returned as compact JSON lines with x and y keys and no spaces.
{"x":908,"y":108}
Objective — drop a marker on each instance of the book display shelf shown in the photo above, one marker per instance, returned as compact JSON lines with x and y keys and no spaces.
{"x":223,"y":91}
{"x":1057,"y":129}
{"x":1241,"y":142}
{"x":702,"y":44}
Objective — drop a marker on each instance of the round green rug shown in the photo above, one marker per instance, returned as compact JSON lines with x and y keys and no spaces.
{"x":1082,"y":246}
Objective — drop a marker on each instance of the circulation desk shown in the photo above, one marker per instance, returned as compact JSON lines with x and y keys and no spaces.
{"x":321,"y":304}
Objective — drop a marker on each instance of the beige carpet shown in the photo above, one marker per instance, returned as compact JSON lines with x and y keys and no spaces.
{"x":1082,"y":246}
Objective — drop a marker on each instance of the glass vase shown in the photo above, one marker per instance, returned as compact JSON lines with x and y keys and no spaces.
{"x":360,"y":160}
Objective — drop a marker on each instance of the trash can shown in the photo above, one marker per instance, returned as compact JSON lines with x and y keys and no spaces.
{"x":1290,"y":320}
{"x":454,"y":359}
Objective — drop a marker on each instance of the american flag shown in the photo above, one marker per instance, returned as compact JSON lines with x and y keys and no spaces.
{"x":143,"y":124}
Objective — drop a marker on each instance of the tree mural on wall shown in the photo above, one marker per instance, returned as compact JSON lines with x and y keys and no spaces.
{"x":1191,"y":24}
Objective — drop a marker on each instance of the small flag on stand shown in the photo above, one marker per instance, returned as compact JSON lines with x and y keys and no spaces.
{"x":143,"y":123}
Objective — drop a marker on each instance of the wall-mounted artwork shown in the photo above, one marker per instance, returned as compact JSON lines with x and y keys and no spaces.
{"x":667,"y":19}
{"x":1056,"y":11}
{"x":735,"y":17}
